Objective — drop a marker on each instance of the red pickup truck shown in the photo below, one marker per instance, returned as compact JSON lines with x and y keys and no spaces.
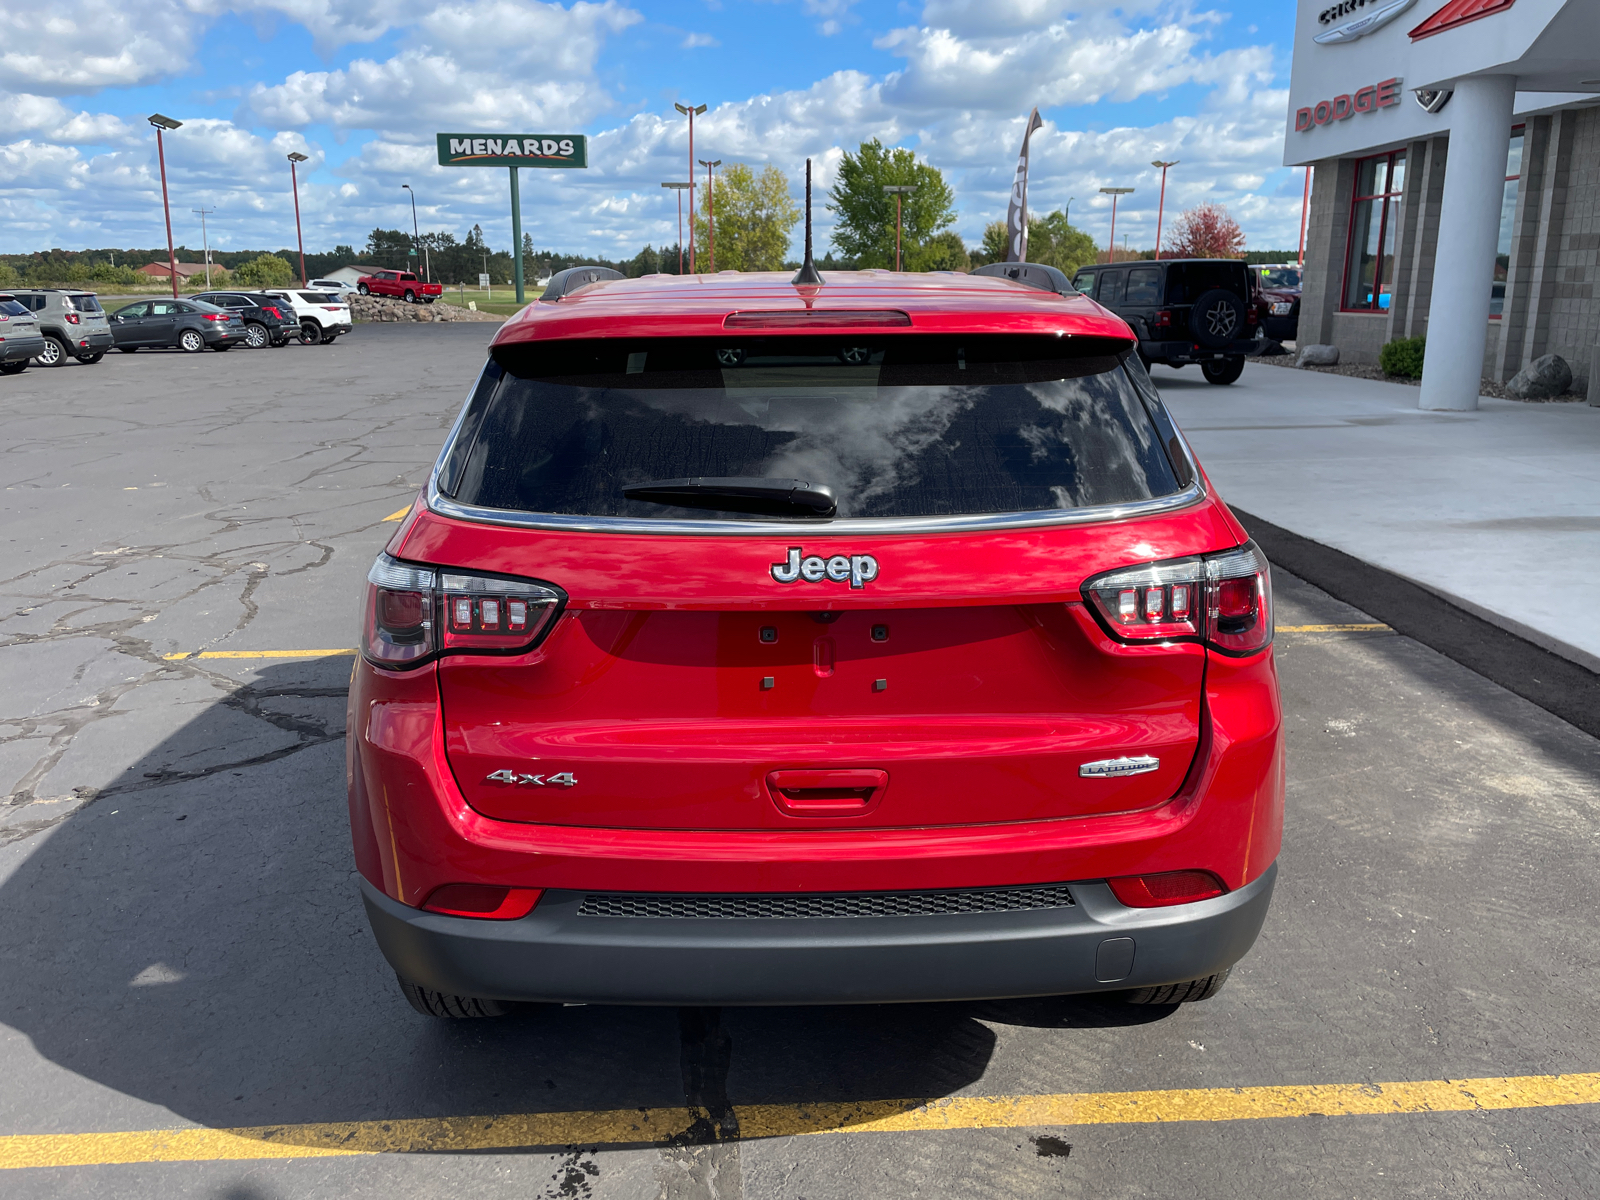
{"x":403,"y":284}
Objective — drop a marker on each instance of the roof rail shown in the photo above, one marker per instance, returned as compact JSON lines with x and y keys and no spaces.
{"x":564,"y":283}
{"x":1034,"y":275}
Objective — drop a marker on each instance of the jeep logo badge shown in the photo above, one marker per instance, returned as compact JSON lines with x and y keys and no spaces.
{"x":858,"y":569}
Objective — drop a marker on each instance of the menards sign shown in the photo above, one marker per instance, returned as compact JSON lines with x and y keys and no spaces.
{"x":517,"y":150}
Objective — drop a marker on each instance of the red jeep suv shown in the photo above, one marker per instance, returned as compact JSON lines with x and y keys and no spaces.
{"x":768,"y":643}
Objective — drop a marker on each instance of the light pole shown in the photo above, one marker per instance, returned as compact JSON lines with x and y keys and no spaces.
{"x":1070,"y":199}
{"x":1111,"y":245}
{"x":416,"y":238}
{"x":161,"y":123}
{"x":295,"y":160}
{"x":681,"y":188}
{"x":1162,"y":203}
{"x":711,"y":212}
{"x":205,"y":240}
{"x":1305,"y":205}
{"x":898,"y":190}
{"x":692,"y":112}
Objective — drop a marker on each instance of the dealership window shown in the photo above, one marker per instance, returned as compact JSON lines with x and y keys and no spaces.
{"x":1374,"y":227}
{"x":1508,"y":213}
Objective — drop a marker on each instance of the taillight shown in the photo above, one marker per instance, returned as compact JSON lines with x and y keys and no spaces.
{"x":272,"y":311}
{"x":1169,"y":887}
{"x":483,"y":900}
{"x":413,"y":613}
{"x":1223,"y":599}
{"x":1163,"y":318}
{"x":217,"y":316}
{"x":72,"y":318}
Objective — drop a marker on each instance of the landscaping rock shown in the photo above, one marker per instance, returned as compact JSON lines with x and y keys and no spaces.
{"x":1317,"y":356}
{"x":386,"y":308}
{"x":1541,"y":379}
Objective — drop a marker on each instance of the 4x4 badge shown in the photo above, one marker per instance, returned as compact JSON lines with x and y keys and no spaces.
{"x":559,"y":779}
{"x":858,"y":569}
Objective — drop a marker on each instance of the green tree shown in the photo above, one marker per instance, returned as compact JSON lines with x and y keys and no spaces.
{"x":942,"y":252}
{"x":754,"y":215}
{"x":8,"y":275}
{"x":866,"y":225}
{"x":1051,"y":240}
{"x":264,"y":271}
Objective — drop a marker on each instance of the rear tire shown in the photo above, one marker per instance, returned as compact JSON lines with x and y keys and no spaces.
{"x":1180,"y":993}
{"x":89,"y":360}
{"x":54,"y":353}
{"x":128,"y":349}
{"x":447,"y":1007}
{"x":1216,"y":318}
{"x":411,"y":297}
{"x":1224,"y":372}
{"x":14,"y":368}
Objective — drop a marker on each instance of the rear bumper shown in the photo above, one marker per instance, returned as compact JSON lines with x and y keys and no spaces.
{"x":554,"y":954}
{"x":14,"y":348}
{"x":1188,"y":352}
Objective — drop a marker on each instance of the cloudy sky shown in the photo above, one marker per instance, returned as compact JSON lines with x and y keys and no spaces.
{"x":362,"y":86}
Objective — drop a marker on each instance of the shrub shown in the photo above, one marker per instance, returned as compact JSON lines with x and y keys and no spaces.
{"x":1403,"y":357}
{"x":106,"y":273}
{"x":8,"y":275}
{"x":266,"y":270}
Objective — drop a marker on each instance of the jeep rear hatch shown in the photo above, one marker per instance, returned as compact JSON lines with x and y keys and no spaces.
{"x":887,"y":666}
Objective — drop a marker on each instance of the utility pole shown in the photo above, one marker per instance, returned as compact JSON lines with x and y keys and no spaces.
{"x":711,"y":212}
{"x":1162,"y":203}
{"x":692,"y":113}
{"x":898,"y":190}
{"x":295,"y":160}
{"x":416,"y":238}
{"x":681,"y":188}
{"x":204,"y":241}
{"x":161,"y":123}
{"x":1111,"y":244}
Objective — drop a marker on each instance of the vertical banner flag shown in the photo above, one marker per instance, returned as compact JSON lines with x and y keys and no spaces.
{"x":1017,"y":212}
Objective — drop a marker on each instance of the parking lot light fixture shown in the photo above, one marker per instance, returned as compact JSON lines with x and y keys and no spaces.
{"x":166,"y":123}
{"x":898,"y":190}
{"x":416,"y":238}
{"x":1111,"y":245}
{"x":1161,"y":204}
{"x":295,"y":159}
{"x":681,"y":188}
{"x":711,"y":213}
{"x":691,"y":111}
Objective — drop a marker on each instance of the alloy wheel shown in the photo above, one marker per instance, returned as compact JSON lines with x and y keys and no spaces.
{"x":1221,"y":319}
{"x":52,"y":355}
{"x":191,"y":342}
{"x":255,"y":336}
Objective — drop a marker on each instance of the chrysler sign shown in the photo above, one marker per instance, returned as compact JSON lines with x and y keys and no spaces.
{"x":1365,"y":17}
{"x":515,"y":150}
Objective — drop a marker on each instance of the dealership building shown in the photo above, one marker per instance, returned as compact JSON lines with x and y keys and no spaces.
{"x":1455,"y":148}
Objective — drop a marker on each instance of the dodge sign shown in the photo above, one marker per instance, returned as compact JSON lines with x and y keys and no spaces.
{"x":515,"y":150}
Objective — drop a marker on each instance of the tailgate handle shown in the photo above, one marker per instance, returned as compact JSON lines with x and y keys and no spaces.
{"x":840,"y":792}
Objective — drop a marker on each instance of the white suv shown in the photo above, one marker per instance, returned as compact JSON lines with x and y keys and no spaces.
{"x":335,"y":286}
{"x":323,"y":316}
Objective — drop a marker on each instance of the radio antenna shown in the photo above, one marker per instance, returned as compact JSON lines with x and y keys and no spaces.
{"x":808,"y":269}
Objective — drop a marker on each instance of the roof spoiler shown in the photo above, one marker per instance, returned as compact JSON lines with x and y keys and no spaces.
{"x":564,"y":283}
{"x":1034,"y":275}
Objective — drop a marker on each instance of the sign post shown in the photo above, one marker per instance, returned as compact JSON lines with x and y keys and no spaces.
{"x":567,"y":150}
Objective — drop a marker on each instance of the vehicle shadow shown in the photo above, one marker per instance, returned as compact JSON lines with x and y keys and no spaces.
{"x":194,"y":938}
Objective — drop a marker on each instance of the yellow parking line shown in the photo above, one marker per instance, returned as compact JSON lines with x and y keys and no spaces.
{"x":188,"y":654}
{"x":396,"y":516}
{"x":1367,"y":628}
{"x":644,"y":1126}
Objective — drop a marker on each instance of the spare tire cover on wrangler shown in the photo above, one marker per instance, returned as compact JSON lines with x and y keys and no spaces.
{"x":1216,"y":319}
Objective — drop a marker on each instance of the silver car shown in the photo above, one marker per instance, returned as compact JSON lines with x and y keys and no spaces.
{"x":20,"y":338}
{"x":72,"y":322}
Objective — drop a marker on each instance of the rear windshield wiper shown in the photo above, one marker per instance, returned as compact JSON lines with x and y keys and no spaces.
{"x":748,"y":494}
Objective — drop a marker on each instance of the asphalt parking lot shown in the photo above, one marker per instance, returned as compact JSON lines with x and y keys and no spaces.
{"x":191,"y":1003}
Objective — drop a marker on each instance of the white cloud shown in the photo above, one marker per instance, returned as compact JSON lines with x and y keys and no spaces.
{"x":79,"y":46}
{"x":695,"y":41}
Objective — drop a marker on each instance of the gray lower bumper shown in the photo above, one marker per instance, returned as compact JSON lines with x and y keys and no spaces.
{"x":555,"y":955}
{"x":14,"y":348}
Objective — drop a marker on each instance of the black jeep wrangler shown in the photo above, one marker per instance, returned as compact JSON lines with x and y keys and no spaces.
{"x":1184,"y":310}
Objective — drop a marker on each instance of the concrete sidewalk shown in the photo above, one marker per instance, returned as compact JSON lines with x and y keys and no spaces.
{"x":1497,"y":510}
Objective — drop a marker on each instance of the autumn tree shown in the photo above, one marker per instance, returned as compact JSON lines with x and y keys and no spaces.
{"x":753,"y":215}
{"x":1205,"y":231}
{"x":865,"y":227}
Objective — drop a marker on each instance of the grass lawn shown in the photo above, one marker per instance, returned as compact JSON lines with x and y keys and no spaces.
{"x":503,"y":304}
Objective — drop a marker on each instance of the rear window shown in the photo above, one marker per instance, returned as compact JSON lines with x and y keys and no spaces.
{"x":319,"y":298}
{"x":12,"y":308}
{"x":85,"y":303}
{"x":1187,"y":281}
{"x":902,"y":426}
